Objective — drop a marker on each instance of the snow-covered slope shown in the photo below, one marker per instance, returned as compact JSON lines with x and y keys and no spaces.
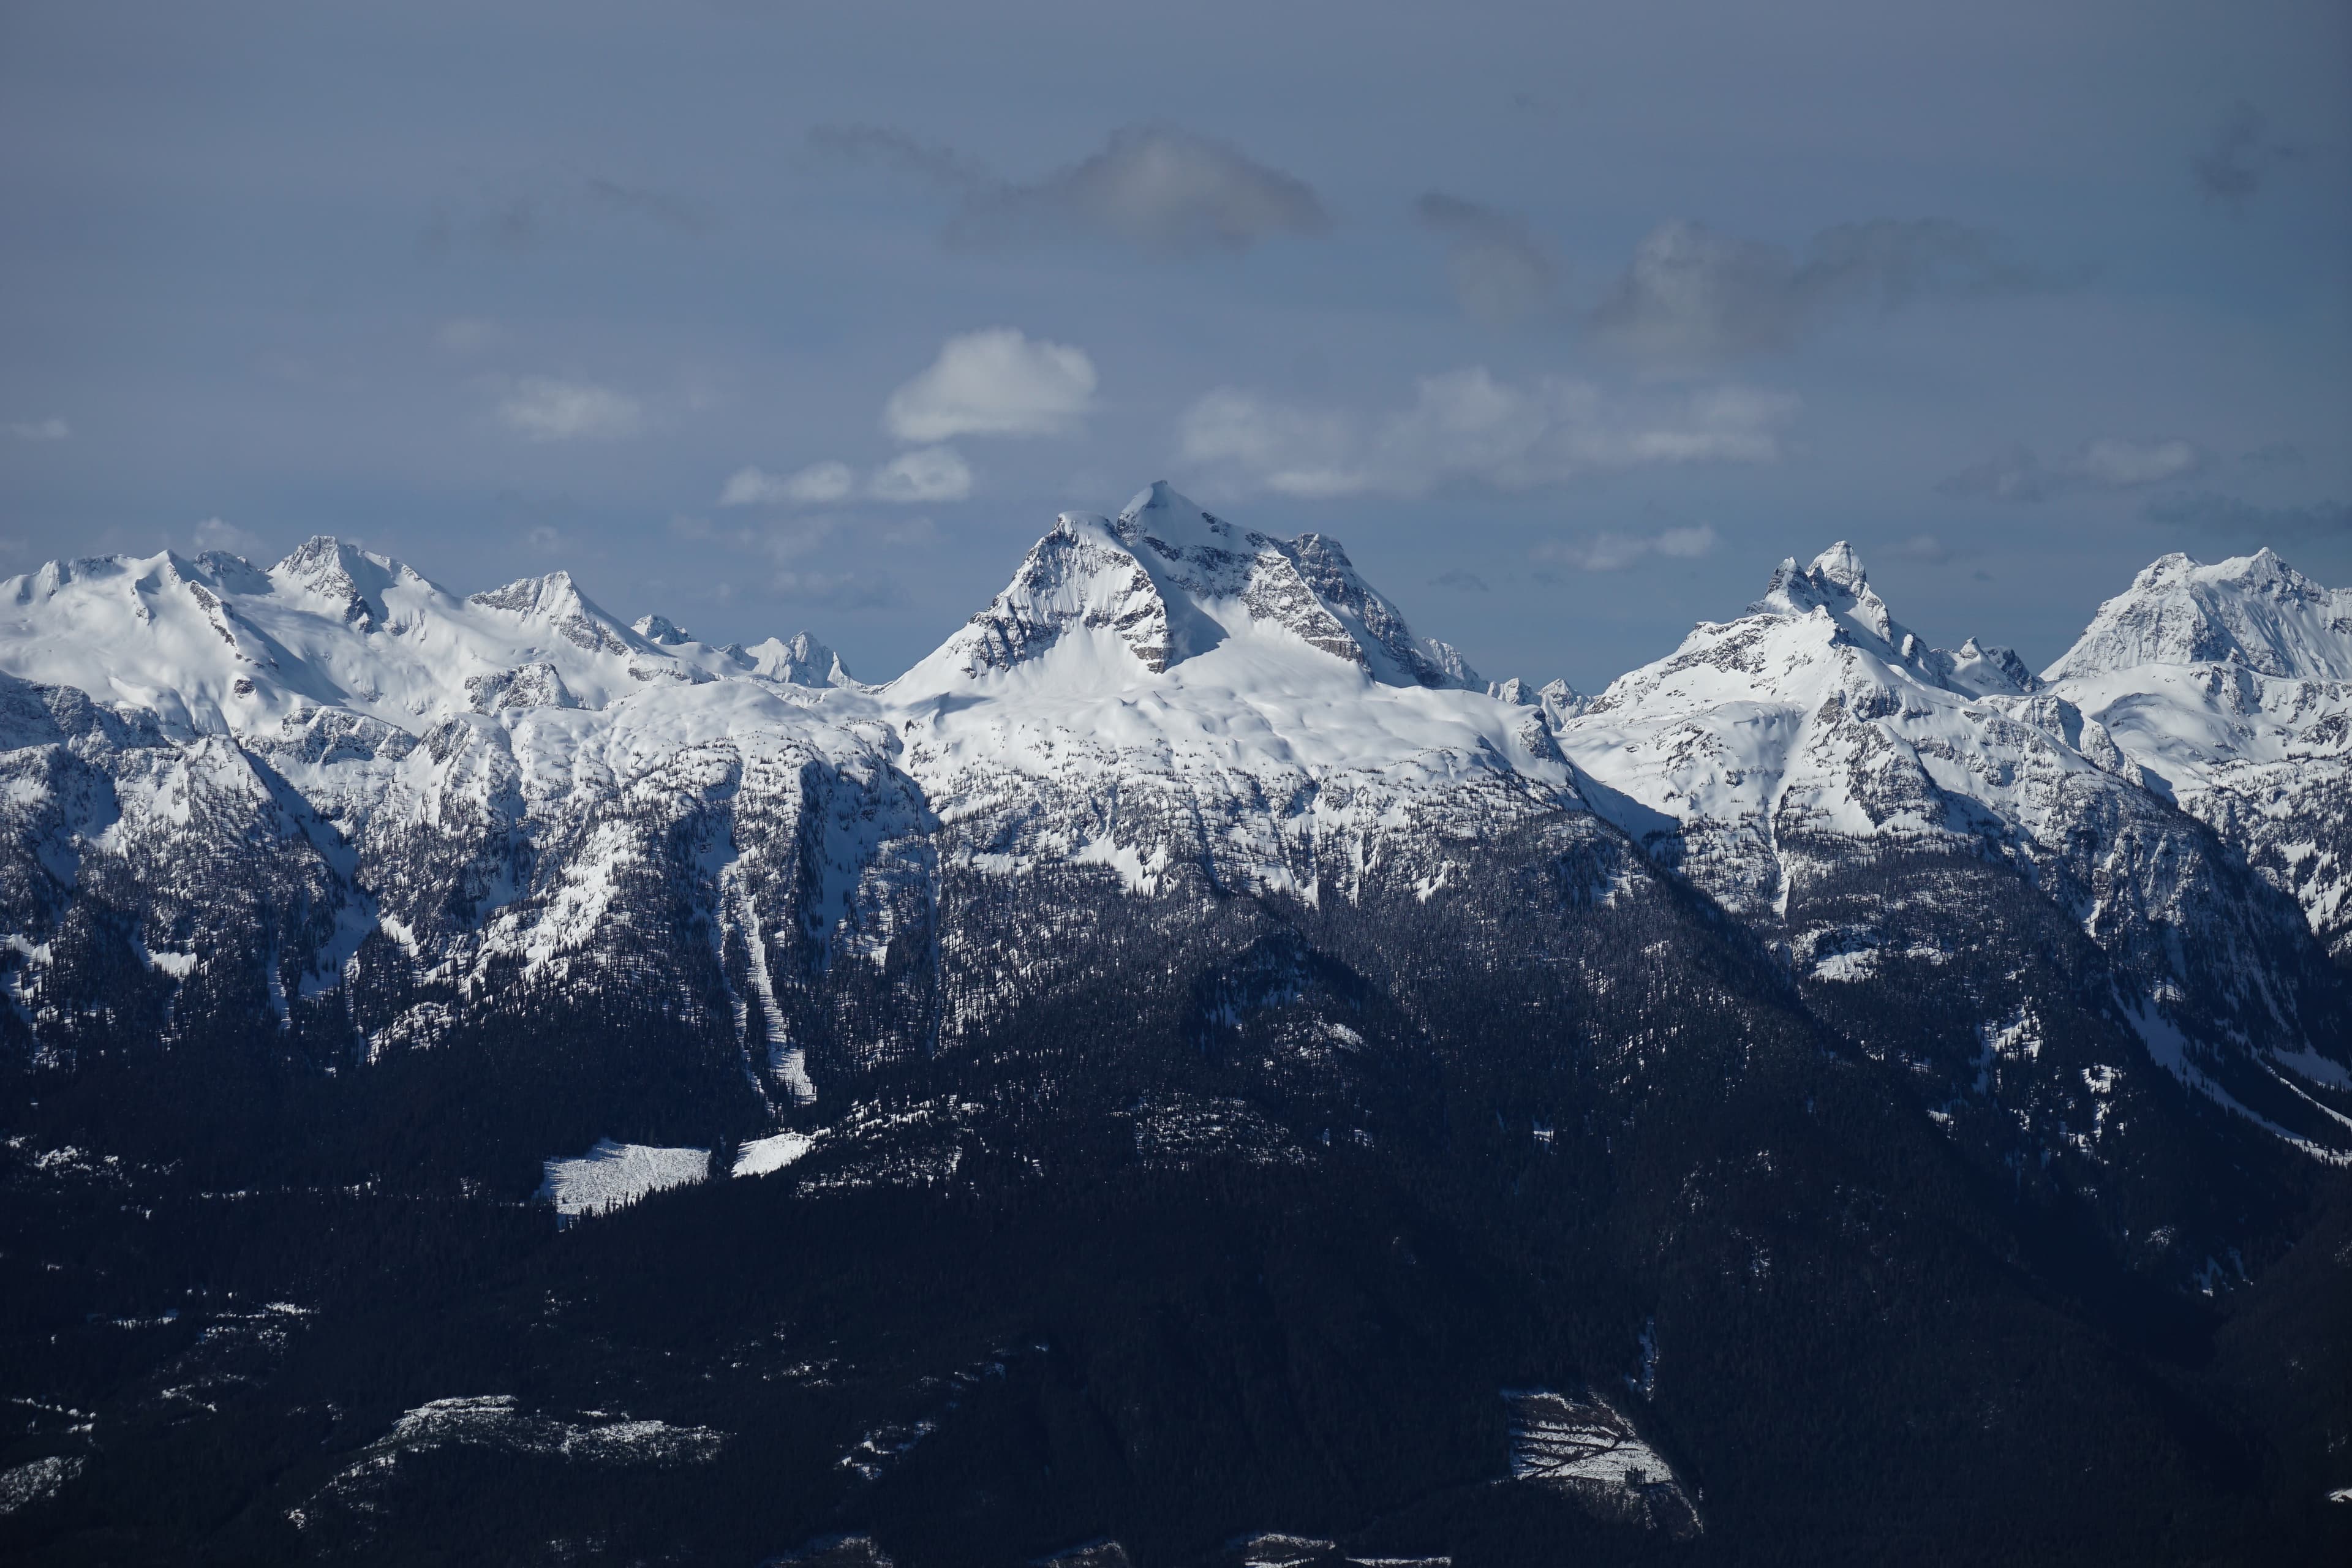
{"x":1817,"y":718}
{"x":2256,"y":611}
{"x":337,"y":781}
{"x":337,"y":801}
{"x":1165,"y":694}
{"x":1790,"y":759}
{"x":2230,"y":688}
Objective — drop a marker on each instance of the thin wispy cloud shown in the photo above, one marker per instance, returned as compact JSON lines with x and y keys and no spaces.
{"x":212,"y":533}
{"x":997,"y":382}
{"x":925,"y":474}
{"x":41,"y":430}
{"x":2109,"y":464}
{"x":813,"y":485}
{"x":1692,"y":295}
{"x":1614,"y":551}
{"x":1466,"y":426}
{"x":463,"y":335}
{"x":882,"y":147}
{"x":2232,"y":167}
{"x":2215,"y":514}
{"x":1158,"y":190}
{"x":518,"y":213}
{"x":1501,"y":275}
{"x":547,"y":408}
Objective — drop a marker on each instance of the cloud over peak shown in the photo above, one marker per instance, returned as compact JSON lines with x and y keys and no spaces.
{"x":1614,"y":552}
{"x":995,"y":382}
{"x":1466,"y":425}
{"x":1692,"y":294}
{"x":2107,"y":464}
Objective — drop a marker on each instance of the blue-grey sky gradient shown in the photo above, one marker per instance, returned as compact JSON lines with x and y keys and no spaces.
{"x":1568,"y":320}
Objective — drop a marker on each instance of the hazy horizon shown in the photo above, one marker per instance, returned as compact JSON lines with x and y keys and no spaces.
{"x":1567,"y":328}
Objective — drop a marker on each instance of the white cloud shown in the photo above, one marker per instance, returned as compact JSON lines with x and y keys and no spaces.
{"x":996,"y":381}
{"x":465,"y":334}
{"x":215,"y":534}
{"x":41,"y":430}
{"x":1613,"y":551}
{"x":1466,"y":425}
{"x":547,"y":409}
{"x":2107,"y":464}
{"x":925,"y":474}
{"x":813,"y":485}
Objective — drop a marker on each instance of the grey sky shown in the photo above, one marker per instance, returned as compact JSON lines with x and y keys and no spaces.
{"x":1568,"y":320}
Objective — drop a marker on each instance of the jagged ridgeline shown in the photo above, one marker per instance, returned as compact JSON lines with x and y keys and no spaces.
{"x":1809,"y":998}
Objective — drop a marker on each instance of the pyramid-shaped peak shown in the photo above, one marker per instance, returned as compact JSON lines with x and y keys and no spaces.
{"x":341,"y":570}
{"x":325,"y":562}
{"x":557,"y":600}
{"x":1169,"y":520}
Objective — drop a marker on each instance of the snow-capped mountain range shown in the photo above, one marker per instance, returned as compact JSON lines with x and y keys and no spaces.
{"x":337,"y":800}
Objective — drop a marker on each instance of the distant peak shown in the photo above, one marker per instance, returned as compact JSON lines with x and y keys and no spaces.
{"x":661,"y":631}
{"x":1159,"y":495}
{"x":557,"y":600}
{"x":1835,"y":585}
{"x":799,"y":659}
{"x":319,"y":550}
{"x":2250,"y":610}
{"x":529,"y":596}
{"x":1836,"y":582}
{"x":342,"y":571}
{"x":1841,"y":564}
{"x":1174,"y":525}
{"x":323,"y":555}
